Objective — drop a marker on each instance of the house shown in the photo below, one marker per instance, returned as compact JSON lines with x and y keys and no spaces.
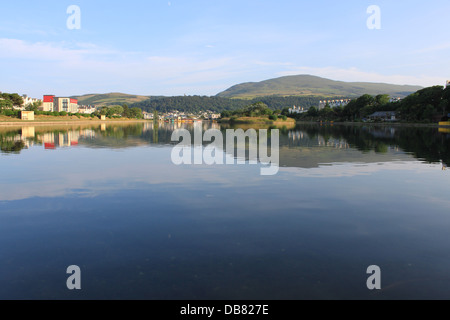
{"x":383,"y":116}
{"x":297,"y":110}
{"x":334,"y":103}
{"x":214,"y":116}
{"x":87,"y":109}
{"x":27,"y":115}
{"x":27,"y":100}
{"x":147,"y":115}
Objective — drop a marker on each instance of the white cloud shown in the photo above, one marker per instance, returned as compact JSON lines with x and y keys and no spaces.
{"x":85,"y":67}
{"x":90,"y":65}
{"x":19,"y":49}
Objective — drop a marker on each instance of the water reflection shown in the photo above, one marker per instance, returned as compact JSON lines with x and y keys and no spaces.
{"x":108,"y":198}
{"x":373,"y":143}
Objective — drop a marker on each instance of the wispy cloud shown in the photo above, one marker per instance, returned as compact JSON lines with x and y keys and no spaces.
{"x":96,"y":64}
{"x":27,"y":30}
{"x":439,"y":47}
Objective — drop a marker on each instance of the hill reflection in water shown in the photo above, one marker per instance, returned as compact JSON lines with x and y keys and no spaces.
{"x":305,"y":146}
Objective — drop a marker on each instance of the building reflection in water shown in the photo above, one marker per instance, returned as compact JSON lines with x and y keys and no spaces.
{"x":426,"y":144}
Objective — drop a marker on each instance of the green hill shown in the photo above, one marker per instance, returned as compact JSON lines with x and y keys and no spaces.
{"x":307,"y":85}
{"x":109,"y":99}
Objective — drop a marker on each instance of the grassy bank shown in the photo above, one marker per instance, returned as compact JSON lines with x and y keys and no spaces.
{"x":44,"y":119}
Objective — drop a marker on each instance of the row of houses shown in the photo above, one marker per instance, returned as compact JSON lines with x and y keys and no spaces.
{"x":27,"y":100}
{"x":334,"y":103}
{"x":179,"y":116}
{"x":297,"y":110}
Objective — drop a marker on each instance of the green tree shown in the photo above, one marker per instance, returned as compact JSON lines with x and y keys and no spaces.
{"x":126,"y":111}
{"x":5,"y":105}
{"x":382,"y":99}
{"x":225,"y":114}
{"x":443,"y":107}
{"x":326,"y":112}
{"x":136,"y":113}
{"x":16,"y":100}
{"x":446,"y":94}
{"x":34,"y":106}
{"x":114,"y":111}
{"x":257,"y":109}
{"x":353,"y":110}
{"x":312,"y":112}
{"x":104,"y":111}
{"x":428,"y":112}
{"x":285,"y":111}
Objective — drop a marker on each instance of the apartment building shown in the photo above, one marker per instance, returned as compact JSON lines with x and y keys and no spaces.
{"x":59,"y":104}
{"x":47,"y":104}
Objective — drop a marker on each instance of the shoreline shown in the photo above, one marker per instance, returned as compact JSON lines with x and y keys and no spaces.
{"x":386,"y":124}
{"x":68,"y":122}
{"x":270,"y":122}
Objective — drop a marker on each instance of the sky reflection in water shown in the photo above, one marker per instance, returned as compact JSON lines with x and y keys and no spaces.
{"x":109,"y":200}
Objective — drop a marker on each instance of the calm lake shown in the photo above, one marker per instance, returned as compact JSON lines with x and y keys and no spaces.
{"x":109,"y":199}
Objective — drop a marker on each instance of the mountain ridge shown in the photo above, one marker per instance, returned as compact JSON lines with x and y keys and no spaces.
{"x":106,"y":99}
{"x":288,"y":86}
{"x":309,"y":85}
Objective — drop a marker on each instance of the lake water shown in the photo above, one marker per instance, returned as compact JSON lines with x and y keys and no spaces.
{"x":108,"y":199}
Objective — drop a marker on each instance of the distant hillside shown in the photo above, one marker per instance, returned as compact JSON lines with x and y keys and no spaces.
{"x":109,"y":99}
{"x":194,"y":104}
{"x":307,"y":85}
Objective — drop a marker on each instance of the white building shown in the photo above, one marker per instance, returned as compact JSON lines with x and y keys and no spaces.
{"x":147,"y":115}
{"x":297,"y":110}
{"x":52,"y":103}
{"x":27,"y":100}
{"x":395,"y":99}
{"x":86,"y":109}
{"x":65,"y":104}
{"x":334,"y":103}
{"x":447,"y":84}
{"x":214,"y":116}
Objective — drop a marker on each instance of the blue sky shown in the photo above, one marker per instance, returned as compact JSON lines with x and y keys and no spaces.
{"x":176,"y":47}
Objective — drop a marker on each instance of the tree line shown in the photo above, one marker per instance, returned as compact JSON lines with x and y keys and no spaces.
{"x":9,"y":100}
{"x":198,"y":104}
{"x":117,"y":111}
{"x":426,"y":105}
{"x":257,"y":109}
